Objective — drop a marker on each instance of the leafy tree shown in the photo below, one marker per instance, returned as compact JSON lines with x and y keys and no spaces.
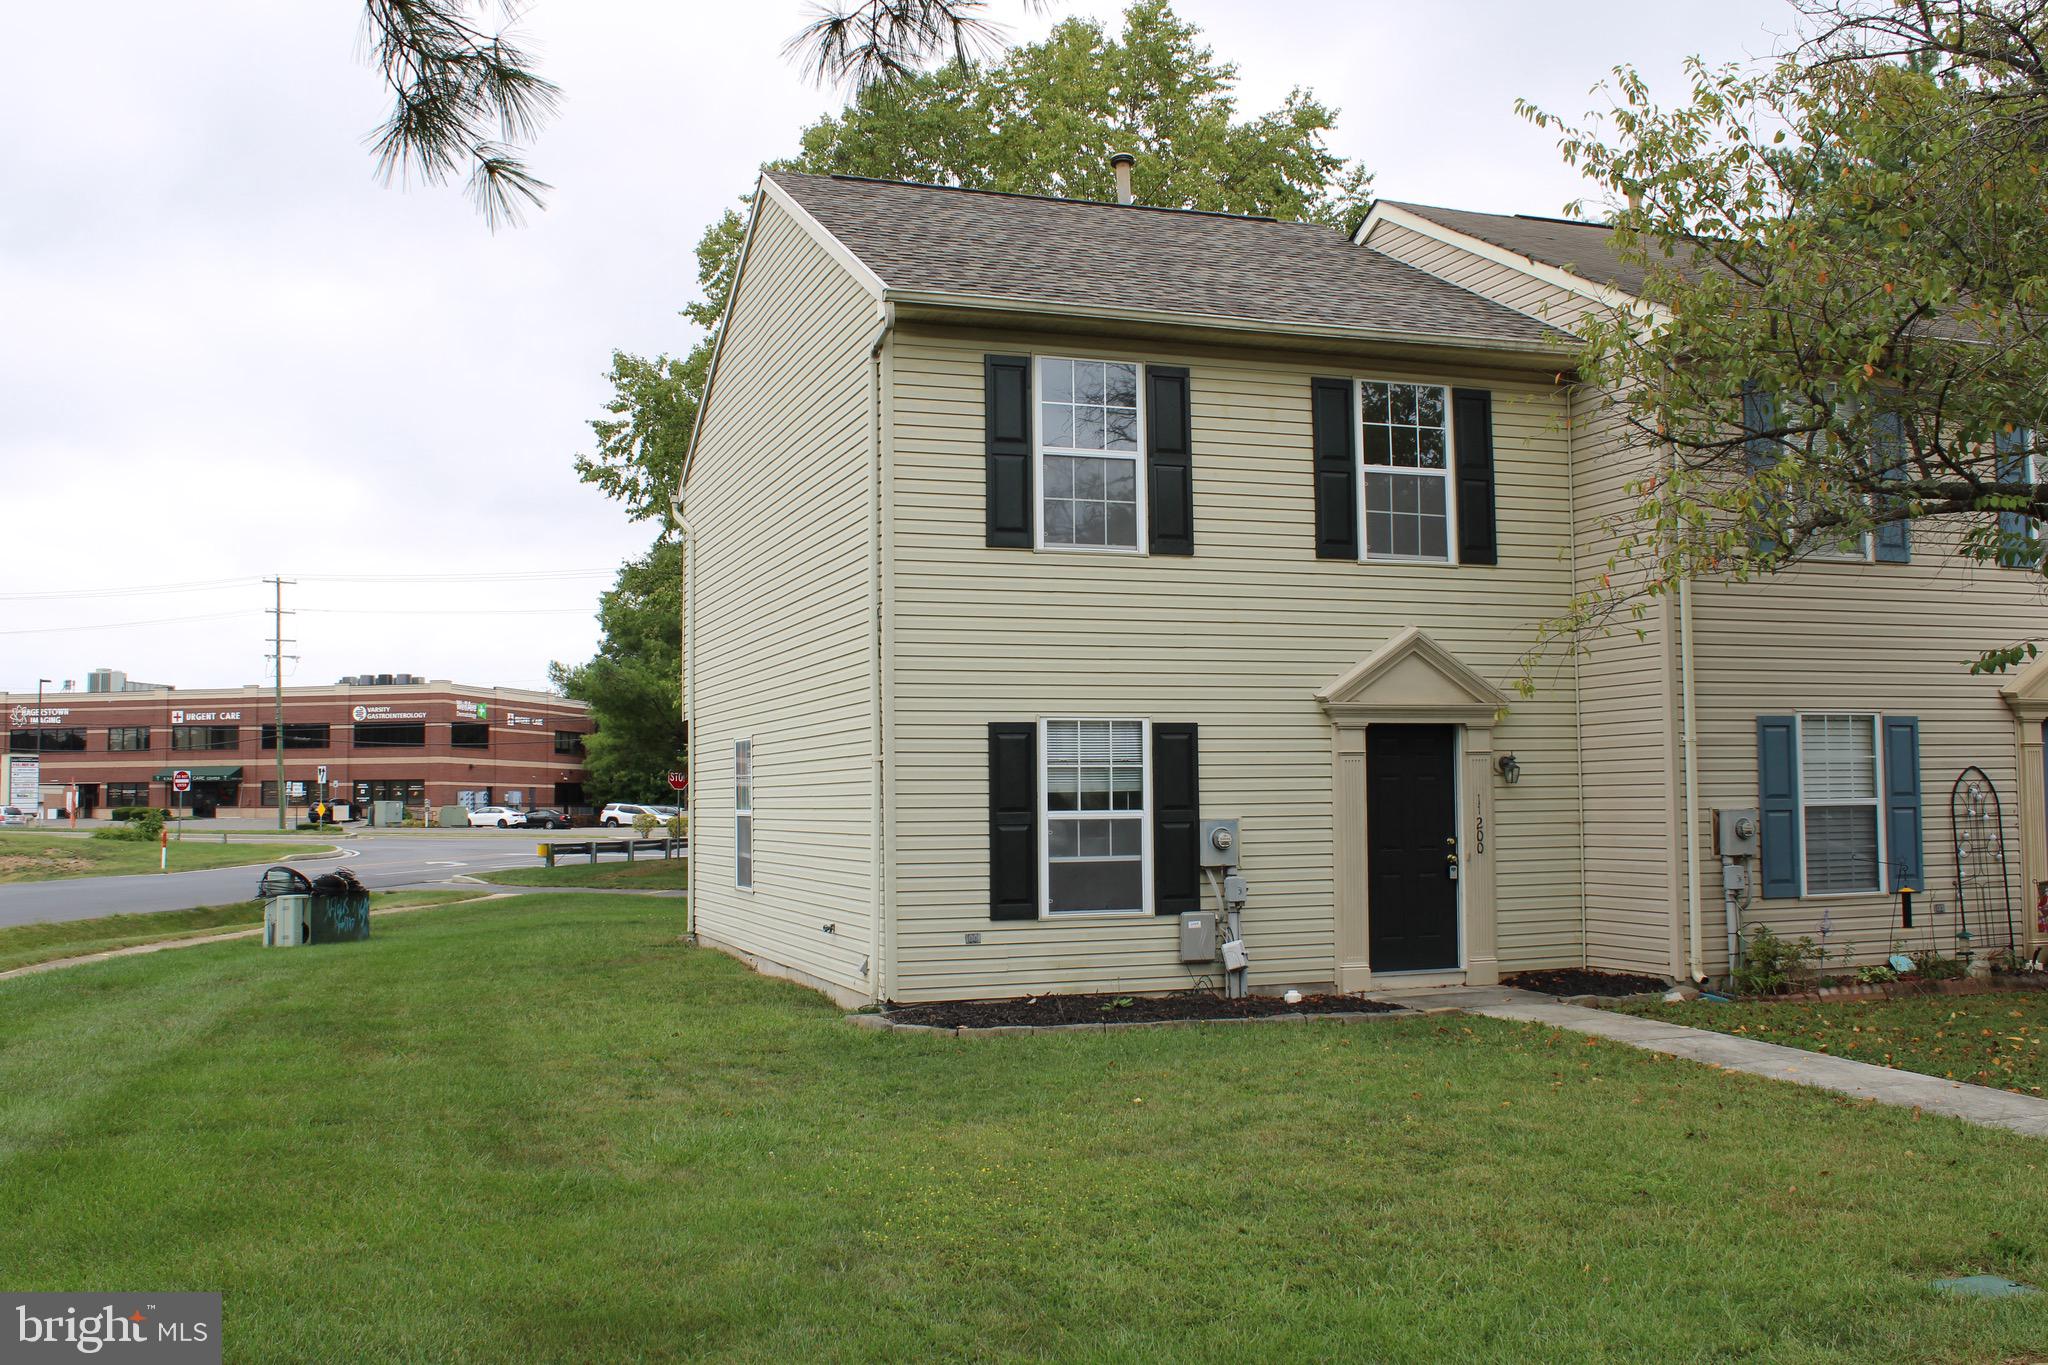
{"x":1846,"y":317}
{"x":1043,"y":119}
{"x":631,"y":684}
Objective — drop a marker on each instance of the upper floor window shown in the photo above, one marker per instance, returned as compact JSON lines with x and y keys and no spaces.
{"x":1090,"y":442}
{"x":128,"y":738}
{"x":298,"y":735}
{"x":204,"y":737}
{"x":1406,"y":453}
{"x":469,"y":735}
{"x":388,"y":734}
{"x":568,"y":742}
{"x":50,"y":740}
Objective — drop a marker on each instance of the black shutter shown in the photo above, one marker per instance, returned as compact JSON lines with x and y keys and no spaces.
{"x":1170,"y":468}
{"x":1176,"y":820}
{"x":1336,"y":456}
{"x":1006,"y":417}
{"x":1472,"y":417}
{"x":1013,"y":820}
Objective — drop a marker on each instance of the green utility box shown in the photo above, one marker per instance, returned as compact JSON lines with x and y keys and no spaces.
{"x":331,"y":908}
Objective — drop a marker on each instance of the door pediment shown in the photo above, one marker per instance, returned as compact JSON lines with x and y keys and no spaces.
{"x":1412,"y":678}
{"x":2027,"y":694}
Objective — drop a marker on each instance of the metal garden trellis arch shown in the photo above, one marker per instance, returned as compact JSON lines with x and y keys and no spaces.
{"x":1983,"y":880}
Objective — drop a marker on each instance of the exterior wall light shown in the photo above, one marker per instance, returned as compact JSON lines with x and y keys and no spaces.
{"x":1508,"y":768}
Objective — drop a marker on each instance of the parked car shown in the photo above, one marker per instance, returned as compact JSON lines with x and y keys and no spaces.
{"x":546,"y":819}
{"x":504,"y":817}
{"x":622,"y":812}
{"x":14,"y":815}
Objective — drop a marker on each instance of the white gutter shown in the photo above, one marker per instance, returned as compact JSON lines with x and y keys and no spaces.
{"x":1547,"y":352}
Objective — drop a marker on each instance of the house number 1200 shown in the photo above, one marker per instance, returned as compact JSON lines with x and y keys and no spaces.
{"x":1479,"y":831}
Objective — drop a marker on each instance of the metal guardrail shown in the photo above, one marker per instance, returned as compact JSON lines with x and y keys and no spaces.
{"x":668,"y":848}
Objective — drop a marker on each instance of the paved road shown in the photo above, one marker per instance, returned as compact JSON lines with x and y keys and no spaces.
{"x":381,"y":861}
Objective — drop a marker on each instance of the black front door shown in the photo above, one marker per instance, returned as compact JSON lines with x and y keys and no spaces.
{"x":1411,"y":847}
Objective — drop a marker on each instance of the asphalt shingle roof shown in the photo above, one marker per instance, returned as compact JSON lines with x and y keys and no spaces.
{"x":1078,"y":253}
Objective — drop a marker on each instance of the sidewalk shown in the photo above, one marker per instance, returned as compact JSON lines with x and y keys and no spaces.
{"x":1976,"y":1104}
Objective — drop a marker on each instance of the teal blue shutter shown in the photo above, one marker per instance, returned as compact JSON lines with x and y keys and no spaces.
{"x":1894,"y":538}
{"x":1777,"y":785}
{"x":1760,"y":416}
{"x":2012,"y":526}
{"x":1902,"y":802}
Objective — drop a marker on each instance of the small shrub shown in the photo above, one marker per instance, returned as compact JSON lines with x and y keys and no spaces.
{"x":1876,"y":974}
{"x":1769,"y":963}
{"x":1935,"y":967}
{"x":676,"y":824}
{"x":142,"y":825}
{"x":644,"y":823}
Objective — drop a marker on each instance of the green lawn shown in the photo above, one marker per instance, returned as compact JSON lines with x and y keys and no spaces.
{"x":1999,"y":1040}
{"x":22,"y":945}
{"x":545,"y":1129}
{"x":657,"y":874}
{"x":32,"y":856}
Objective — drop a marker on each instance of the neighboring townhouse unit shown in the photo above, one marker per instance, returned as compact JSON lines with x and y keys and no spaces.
{"x":1024,"y":533}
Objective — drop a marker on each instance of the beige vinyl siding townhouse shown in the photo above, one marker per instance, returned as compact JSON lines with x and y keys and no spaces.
{"x":1872,"y":636}
{"x":1023,"y":533}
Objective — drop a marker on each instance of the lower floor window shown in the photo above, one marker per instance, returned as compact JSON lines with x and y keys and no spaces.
{"x":127,"y":793}
{"x":1838,"y":793}
{"x":743,"y":812}
{"x":408,"y":789}
{"x":1094,"y":811}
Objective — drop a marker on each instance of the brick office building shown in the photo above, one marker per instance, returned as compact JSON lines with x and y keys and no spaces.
{"x":380,"y":737}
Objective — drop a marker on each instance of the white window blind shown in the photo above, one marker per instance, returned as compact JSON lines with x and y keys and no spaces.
{"x":1838,"y":788}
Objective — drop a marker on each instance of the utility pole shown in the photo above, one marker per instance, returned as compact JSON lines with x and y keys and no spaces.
{"x":40,"y":747}
{"x":278,"y":613}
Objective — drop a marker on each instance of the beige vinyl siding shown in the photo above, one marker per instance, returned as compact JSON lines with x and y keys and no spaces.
{"x":1504,"y":284}
{"x":1627,"y":716}
{"x":1236,"y":638}
{"x":1625,"y":677}
{"x":779,"y":502}
{"x":1892,"y":638}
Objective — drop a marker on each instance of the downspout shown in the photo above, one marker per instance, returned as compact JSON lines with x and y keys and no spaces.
{"x":1692,"y":780}
{"x":878,"y":870}
{"x":689,"y":685}
{"x":1571,"y":500}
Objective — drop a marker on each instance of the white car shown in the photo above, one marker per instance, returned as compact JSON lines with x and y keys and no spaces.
{"x":504,"y":817}
{"x":14,"y":815}
{"x":622,"y":812}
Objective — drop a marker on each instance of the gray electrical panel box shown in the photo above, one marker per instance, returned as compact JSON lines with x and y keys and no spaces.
{"x":1735,"y":832}
{"x":1219,"y":843}
{"x":1198,"y":936}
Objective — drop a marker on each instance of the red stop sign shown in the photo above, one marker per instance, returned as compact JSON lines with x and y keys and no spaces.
{"x":677,"y":781}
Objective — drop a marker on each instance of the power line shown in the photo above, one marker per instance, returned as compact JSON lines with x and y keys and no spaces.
{"x":449,"y":611}
{"x":152,"y":590}
{"x":124,"y":625}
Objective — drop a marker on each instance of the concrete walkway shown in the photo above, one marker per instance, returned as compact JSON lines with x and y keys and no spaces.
{"x":1976,"y":1104}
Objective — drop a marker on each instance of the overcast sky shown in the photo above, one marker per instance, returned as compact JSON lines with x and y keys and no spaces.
{"x":226,"y":352}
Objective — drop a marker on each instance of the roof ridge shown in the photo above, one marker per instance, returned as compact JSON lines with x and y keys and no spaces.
{"x":1059,"y":199}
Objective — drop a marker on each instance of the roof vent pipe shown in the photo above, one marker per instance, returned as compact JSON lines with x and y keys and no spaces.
{"x":1122,"y":162}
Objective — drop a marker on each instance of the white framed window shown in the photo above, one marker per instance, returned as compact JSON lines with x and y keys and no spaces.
{"x":743,"y":812}
{"x":1089,"y":435}
{"x":1406,"y":498}
{"x":1095,"y":797}
{"x":1840,"y":808}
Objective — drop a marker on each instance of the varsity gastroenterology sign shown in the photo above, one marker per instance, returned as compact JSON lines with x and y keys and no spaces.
{"x":166,"y":1329}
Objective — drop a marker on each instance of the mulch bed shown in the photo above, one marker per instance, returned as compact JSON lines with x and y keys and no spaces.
{"x":1046,"y":1010}
{"x":1575,"y":981}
